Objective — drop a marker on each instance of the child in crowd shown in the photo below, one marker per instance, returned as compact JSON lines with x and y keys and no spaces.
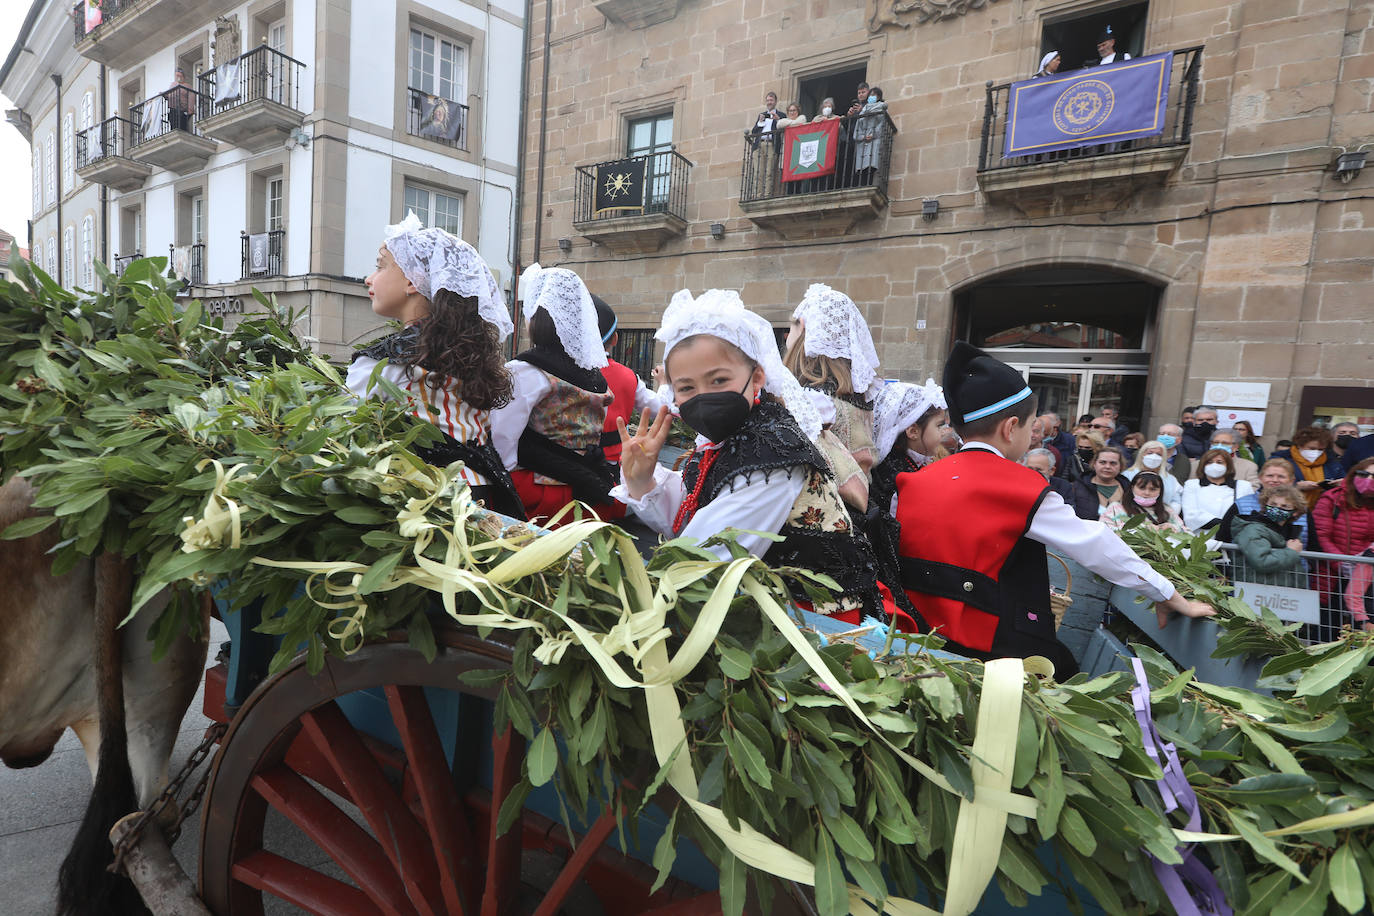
{"x":1144,"y":496}
{"x":830,"y":350}
{"x":975,"y":527}
{"x":1269,"y":540}
{"x":549,"y":435}
{"x":447,"y":357}
{"x":755,"y":466}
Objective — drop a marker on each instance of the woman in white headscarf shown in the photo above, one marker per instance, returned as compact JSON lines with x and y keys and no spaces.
{"x":830,"y":350}
{"x":755,"y":466}
{"x":549,"y":435}
{"x":447,"y":357}
{"x":1049,"y":64}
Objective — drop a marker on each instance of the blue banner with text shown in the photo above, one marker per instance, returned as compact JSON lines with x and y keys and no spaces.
{"x":1089,"y":107}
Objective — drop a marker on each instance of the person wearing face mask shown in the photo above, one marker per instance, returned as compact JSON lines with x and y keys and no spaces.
{"x":1197,"y":438}
{"x":1269,"y":539}
{"x":755,"y":467}
{"x":1086,"y":446}
{"x":1273,"y":473}
{"x":1152,"y":457}
{"x":1169,"y":435}
{"x":1358,"y":451}
{"x":1343,"y":436}
{"x":1244,"y":468}
{"x":1314,"y":467}
{"x":1215,"y":489}
{"x":1144,"y":497}
{"x":1344,"y":519}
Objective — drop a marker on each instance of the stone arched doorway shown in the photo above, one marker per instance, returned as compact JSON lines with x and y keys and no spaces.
{"x":1082,"y":336}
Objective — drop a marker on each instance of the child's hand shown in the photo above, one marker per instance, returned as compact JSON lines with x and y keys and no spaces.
{"x":1294,"y":544}
{"x":639,"y":453}
{"x":1180,"y":605}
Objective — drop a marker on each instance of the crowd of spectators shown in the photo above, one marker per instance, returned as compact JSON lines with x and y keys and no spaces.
{"x":1314,"y":493}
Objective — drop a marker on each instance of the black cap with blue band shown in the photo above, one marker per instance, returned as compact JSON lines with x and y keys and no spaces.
{"x":978,"y":385}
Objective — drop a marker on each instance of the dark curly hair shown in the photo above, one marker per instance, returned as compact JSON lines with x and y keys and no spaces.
{"x":455,"y":342}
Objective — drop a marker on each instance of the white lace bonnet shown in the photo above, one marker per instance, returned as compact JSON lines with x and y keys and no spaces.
{"x":433,"y":259}
{"x":836,"y":328}
{"x":721,"y":313}
{"x":900,"y":404}
{"x":562,"y":294}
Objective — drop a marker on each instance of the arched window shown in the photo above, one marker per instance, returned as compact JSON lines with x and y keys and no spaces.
{"x":37,"y":182}
{"x":68,"y":152}
{"x":49,"y":170}
{"x":87,"y":110}
{"x":87,"y":252}
{"x":69,"y":256}
{"x":51,"y":266}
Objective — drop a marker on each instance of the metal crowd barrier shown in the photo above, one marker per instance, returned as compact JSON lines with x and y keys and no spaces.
{"x":1326,"y":593}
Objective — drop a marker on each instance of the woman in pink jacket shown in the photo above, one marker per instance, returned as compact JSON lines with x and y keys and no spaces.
{"x":1344,"y":520}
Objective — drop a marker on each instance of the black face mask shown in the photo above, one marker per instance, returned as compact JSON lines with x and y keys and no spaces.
{"x":1086,"y":454}
{"x":1207,"y":428}
{"x":716,"y":414}
{"x":1345,"y":441}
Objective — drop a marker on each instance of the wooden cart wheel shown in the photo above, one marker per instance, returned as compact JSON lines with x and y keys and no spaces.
{"x":422,"y":840}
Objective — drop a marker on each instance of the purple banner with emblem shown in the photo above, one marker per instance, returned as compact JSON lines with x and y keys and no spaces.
{"x":1089,"y":107}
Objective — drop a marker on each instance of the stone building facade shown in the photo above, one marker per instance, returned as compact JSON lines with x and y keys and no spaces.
{"x":1229,"y":249}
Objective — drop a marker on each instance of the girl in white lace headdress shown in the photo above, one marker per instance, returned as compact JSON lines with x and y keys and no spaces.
{"x":755,"y":467}
{"x":448,"y":355}
{"x":908,"y":423}
{"x":830,"y":350}
{"x":549,"y":435}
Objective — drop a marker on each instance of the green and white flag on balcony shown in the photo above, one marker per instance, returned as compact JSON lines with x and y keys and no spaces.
{"x":808,"y":150}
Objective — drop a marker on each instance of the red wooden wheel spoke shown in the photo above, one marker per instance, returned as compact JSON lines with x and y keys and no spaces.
{"x":443,"y":810}
{"x":304,"y":887}
{"x":399,"y":833}
{"x":577,"y":864}
{"x":503,"y":851}
{"x":334,"y":832}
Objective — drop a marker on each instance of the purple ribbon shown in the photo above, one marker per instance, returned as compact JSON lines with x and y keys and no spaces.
{"x":1205,"y":897}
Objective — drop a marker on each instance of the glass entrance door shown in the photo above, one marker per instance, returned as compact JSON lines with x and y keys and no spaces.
{"x":1071,"y":393}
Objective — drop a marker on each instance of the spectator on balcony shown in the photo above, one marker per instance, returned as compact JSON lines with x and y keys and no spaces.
{"x":870,"y":131}
{"x":1314,"y":466}
{"x":794,"y":117}
{"x":1214,"y":490}
{"x":1049,"y":64}
{"x":1106,"y":48}
{"x":1344,"y":519}
{"x":181,"y":102}
{"x":844,"y":165}
{"x":827,"y":111}
{"x":765,"y":137}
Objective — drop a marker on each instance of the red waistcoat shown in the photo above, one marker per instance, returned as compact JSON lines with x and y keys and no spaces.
{"x":623,"y":383}
{"x":965,"y":561}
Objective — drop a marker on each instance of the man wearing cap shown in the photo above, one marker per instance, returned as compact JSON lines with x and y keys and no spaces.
{"x":975,"y":528}
{"x":1106,"y":48}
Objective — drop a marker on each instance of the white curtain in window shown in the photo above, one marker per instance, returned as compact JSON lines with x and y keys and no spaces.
{"x":68,"y":156}
{"x":49,"y":170}
{"x":88,"y":252}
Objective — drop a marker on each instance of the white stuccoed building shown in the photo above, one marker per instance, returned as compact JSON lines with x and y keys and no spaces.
{"x":299,"y":129}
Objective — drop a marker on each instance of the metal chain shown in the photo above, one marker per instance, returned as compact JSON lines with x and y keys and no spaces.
{"x":169,"y":794}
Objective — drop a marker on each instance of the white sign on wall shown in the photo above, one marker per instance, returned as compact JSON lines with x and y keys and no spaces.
{"x":1297,"y":605}
{"x":1236,"y":394}
{"x":1228,"y":417}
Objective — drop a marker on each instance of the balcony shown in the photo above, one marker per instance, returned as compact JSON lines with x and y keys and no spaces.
{"x":656,"y":213}
{"x":252,"y":101}
{"x":1130,"y":163}
{"x":261,"y":254}
{"x":188,"y":263}
{"x":432,"y":117}
{"x":101,"y":156}
{"x":166,"y":132}
{"x":121,"y":263}
{"x":826,"y":205}
{"x":120,"y":33}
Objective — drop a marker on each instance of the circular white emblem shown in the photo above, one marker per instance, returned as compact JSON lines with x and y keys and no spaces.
{"x":1083,"y":106}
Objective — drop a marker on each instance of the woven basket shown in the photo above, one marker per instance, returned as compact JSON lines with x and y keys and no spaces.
{"x":1060,"y":601}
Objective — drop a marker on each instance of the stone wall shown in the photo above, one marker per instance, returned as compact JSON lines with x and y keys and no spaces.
{"x":1264,"y":257}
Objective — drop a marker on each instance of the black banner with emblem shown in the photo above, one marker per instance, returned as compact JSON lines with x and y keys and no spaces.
{"x":619,"y":186}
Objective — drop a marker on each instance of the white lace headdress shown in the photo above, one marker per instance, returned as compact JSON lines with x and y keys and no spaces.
{"x":836,"y":328}
{"x":899,"y":405}
{"x":562,"y":294}
{"x":433,"y":259}
{"x":721,"y":313}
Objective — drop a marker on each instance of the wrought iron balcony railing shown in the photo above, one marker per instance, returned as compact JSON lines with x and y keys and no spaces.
{"x":188,"y":262}
{"x":108,"y":138}
{"x":436,"y":118}
{"x":665,"y":188}
{"x":1178,"y":125}
{"x":90,"y":20}
{"x":263,"y":73}
{"x":261,"y":254}
{"x":176,"y":109}
{"x":863,"y":159}
{"x":121,"y":263}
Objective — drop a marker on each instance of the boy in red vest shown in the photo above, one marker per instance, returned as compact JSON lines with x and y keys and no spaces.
{"x":975,"y":528}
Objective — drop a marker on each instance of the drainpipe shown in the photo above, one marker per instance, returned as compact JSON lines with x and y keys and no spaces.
{"x":104,"y":191}
{"x":520,"y":155}
{"x":543,"y":132}
{"x":57,"y":180}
